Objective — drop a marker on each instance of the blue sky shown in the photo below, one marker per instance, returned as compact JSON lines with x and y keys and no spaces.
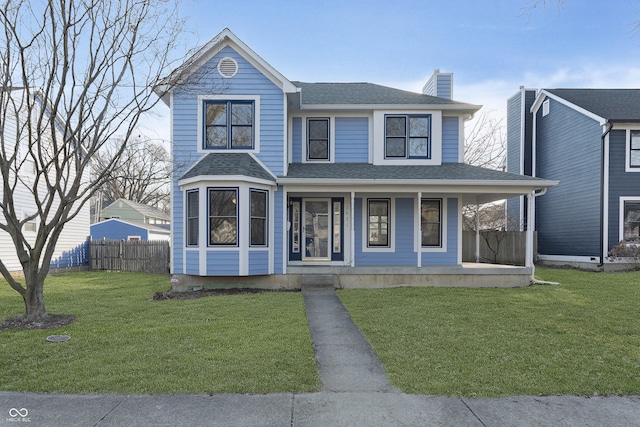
{"x":492,"y":47}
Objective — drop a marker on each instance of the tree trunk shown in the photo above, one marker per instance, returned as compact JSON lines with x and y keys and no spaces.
{"x":33,"y":298}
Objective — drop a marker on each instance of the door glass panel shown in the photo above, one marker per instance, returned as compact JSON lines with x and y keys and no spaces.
{"x":317,"y":229}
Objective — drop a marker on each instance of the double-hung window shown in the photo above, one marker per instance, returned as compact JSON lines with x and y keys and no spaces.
{"x":318,"y":139}
{"x":228,"y":125}
{"x":223,"y":216}
{"x":431,"y":222}
{"x":634,"y":149}
{"x":631,"y":218}
{"x":407,"y":136}
{"x":258,"y":219}
{"x":378,"y":222}
{"x":193,"y":203}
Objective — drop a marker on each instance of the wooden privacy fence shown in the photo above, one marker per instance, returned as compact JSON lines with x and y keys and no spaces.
{"x":497,"y":247}
{"x":121,"y":255}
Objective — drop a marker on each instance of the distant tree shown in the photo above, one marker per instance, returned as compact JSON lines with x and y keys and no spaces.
{"x":141,"y":174}
{"x":86,"y":69}
{"x":485,"y":142}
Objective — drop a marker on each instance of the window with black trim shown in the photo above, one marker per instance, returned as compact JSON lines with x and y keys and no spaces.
{"x":431,"y":222}
{"x":318,"y":139}
{"x":634,"y":149}
{"x":631,"y":220}
{"x":228,"y":125}
{"x":223,"y":216}
{"x":259,"y":205}
{"x":193,"y":217}
{"x":378,"y":222}
{"x":407,"y":136}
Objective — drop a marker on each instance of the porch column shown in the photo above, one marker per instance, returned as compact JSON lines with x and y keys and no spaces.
{"x":419,"y":236}
{"x":352,"y":226}
{"x":477,"y":233}
{"x":528,"y":262}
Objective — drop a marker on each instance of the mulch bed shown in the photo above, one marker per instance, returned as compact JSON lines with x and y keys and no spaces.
{"x":50,"y":321}
{"x":164,"y":295}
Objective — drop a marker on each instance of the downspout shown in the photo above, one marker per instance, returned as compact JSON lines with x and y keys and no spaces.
{"x":602,"y":201}
{"x":530,"y":228}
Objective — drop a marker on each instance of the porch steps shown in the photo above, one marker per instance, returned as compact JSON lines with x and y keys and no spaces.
{"x":316,"y":281}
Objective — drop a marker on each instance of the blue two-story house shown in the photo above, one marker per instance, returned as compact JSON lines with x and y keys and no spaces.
{"x":589,"y":140}
{"x":277,"y":180}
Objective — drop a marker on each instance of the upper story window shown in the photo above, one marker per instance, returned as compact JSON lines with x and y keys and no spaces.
{"x":407,"y":136}
{"x":318,"y":139}
{"x":634,"y":149}
{"x":229,"y":124}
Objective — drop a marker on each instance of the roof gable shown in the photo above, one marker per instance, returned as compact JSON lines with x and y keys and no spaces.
{"x":145,"y":210}
{"x":613,"y":105}
{"x":208,"y":51}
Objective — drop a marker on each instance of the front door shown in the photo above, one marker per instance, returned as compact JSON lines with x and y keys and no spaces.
{"x":316,"y":229}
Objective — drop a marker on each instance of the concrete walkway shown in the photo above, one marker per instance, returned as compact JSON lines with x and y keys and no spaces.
{"x":346,"y":361}
{"x":355,"y":393}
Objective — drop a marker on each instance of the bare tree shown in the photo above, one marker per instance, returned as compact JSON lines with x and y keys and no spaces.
{"x":142,"y":174}
{"x":86,"y":70}
{"x":485,"y":142}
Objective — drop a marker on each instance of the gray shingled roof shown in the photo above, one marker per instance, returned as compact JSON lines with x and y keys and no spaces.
{"x":617,"y":105}
{"x":228,"y":164}
{"x":367,"y":94}
{"x":365,"y":171}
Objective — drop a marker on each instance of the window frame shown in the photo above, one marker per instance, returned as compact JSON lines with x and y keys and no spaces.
{"x":388,"y":222}
{"x":265,"y":218}
{"x":440,"y":223}
{"x":408,"y":137}
{"x":308,"y":138}
{"x":229,"y":102}
{"x":237,"y":216}
{"x":201,"y":134}
{"x":631,"y":150}
{"x":623,"y":202}
{"x":188,"y":218}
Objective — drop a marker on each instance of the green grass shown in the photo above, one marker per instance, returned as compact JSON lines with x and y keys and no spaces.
{"x":122,"y":342}
{"x":582,"y":337}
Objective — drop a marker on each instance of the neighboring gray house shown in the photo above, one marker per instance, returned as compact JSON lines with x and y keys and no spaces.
{"x":120,"y":229}
{"x":285,"y":179}
{"x":589,"y":140}
{"x":133,"y":211}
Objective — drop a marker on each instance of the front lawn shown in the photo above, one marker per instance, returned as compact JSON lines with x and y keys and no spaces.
{"x":582,"y":337}
{"x":122,"y":342}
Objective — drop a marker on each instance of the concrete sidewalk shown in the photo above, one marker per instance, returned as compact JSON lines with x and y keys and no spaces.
{"x":355,"y":393}
{"x":314,"y":409}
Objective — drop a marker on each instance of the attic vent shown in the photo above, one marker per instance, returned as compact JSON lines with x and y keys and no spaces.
{"x":545,"y":108}
{"x":227,"y":67}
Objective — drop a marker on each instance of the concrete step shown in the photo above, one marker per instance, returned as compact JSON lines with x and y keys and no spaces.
{"x":318,"y":281}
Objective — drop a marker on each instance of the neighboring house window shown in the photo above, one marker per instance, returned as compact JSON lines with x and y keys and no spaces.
{"x":545,"y":108}
{"x":258,"y":217}
{"x":223,"y":216}
{"x":378,"y":222}
{"x":317,"y":139}
{"x":30,"y":226}
{"x":634,"y":149}
{"x":631,"y":218}
{"x":193,"y":203}
{"x":408,"y":136}
{"x":133,"y":238}
{"x":228,"y":124}
{"x":431,"y":222}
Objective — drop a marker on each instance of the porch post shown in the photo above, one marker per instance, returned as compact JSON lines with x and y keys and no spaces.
{"x":528,"y":262}
{"x":477,"y":233}
{"x":352,"y":227}
{"x":419,"y":236}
